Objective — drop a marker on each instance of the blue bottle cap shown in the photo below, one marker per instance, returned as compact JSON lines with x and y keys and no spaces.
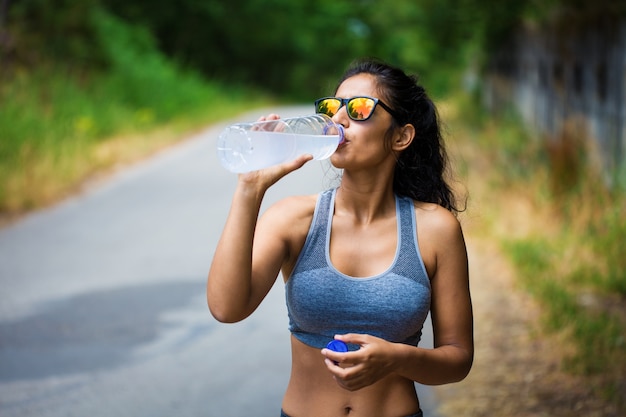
{"x":337,"y":346}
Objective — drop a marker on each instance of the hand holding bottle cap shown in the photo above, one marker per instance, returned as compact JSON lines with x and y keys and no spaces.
{"x":337,"y":346}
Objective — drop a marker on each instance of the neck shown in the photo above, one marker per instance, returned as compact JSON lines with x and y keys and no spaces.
{"x":366,"y":201}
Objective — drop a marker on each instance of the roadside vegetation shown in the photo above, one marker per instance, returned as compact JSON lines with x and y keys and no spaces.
{"x":561,"y":221}
{"x":62,"y":123}
{"x":82,"y":81}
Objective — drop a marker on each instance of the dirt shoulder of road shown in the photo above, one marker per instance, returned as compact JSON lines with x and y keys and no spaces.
{"x":517,"y":369}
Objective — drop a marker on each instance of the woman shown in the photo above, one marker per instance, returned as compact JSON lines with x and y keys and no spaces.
{"x":363,"y":263}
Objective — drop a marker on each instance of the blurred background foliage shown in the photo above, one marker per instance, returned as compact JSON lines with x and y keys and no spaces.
{"x":77,"y":74}
{"x":292,"y":48}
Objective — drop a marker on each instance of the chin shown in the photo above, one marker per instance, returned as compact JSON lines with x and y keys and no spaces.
{"x":336,"y":161}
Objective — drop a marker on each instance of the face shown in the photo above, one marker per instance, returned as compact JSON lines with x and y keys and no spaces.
{"x":364,"y":145}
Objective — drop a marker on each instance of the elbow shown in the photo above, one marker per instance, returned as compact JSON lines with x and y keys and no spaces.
{"x":456,"y":369}
{"x":461,"y":374}
{"x":220,"y":308}
{"x":224,"y":318}
{"x":464,"y":367}
{"x":222,"y":313}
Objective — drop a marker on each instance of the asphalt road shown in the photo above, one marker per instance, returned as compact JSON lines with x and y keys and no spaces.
{"x":103,"y":309}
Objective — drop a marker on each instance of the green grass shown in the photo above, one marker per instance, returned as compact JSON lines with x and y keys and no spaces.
{"x":59,"y":121}
{"x":52,"y":126}
{"x":598,"y":334}
{"x":570,"y":255}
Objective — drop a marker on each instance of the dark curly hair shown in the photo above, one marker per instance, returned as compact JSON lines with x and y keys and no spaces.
{"x":421,"y":168}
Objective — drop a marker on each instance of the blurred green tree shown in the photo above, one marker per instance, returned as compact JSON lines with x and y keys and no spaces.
{"x":293,"y":48}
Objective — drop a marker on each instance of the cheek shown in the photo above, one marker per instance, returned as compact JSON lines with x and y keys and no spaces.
{"x":360,"y":152}
{"x":364,"y":143}
{"x":375,"y":143}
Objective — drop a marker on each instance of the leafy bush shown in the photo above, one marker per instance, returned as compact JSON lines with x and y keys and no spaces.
{"x":54,"y":116}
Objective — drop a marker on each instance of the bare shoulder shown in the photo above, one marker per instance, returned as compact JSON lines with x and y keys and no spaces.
{"x":289,"y":217}
{"x":292,"y":208}
{"x":435,"y":220}
{"x":441,"y":241}
{"x":286,"y":223}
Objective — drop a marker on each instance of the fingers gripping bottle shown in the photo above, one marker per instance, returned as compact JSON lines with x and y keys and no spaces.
{"x":245,"y":147}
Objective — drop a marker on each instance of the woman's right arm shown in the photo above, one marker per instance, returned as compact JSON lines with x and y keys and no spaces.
{"x":245,"y":266}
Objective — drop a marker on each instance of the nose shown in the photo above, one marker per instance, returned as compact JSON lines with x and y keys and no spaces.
{"x":341,"y":117}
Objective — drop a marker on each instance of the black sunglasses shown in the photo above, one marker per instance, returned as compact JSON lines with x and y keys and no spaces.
{"x":358,"y":108}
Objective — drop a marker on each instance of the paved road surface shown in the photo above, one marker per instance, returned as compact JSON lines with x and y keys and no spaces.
{"x":103,"y":311}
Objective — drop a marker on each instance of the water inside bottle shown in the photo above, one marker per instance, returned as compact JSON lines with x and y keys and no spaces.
{"x":320,"y":146}
{"x":244,"y":151}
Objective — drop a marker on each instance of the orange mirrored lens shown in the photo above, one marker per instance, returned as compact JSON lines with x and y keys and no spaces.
{"x":360,"y":108}
{"x":329,"y":106}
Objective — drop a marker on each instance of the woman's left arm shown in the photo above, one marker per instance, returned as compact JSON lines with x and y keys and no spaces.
{"x":451,"y":313}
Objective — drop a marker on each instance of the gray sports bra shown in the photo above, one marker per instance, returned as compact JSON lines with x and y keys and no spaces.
{"x":322,"y":302}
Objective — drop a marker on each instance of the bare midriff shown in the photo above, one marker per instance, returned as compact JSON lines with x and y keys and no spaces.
{"x":313,"y":392}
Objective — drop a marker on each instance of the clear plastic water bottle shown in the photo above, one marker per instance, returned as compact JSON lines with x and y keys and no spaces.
{"x":245,"y":147}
